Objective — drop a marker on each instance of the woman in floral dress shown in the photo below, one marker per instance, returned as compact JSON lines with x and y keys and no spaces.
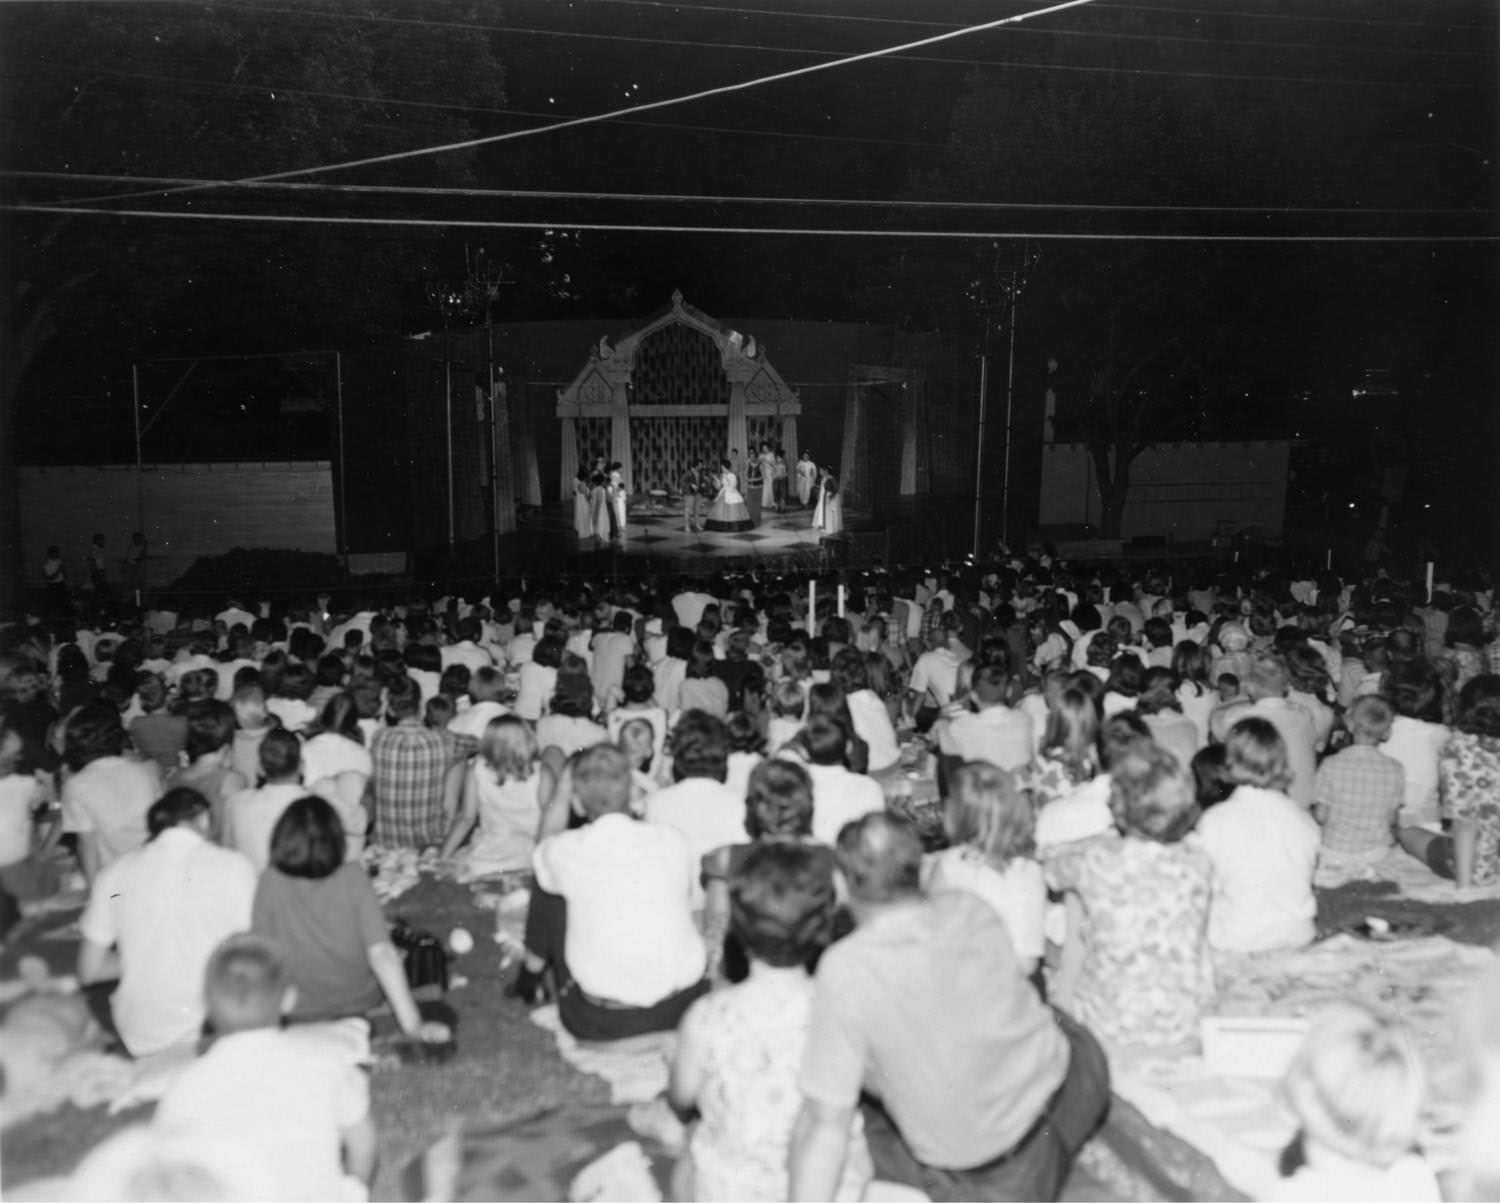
{"x":1147,"y":974}
{"x":1469,"y":792}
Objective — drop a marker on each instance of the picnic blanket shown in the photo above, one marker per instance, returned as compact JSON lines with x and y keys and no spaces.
{"x":1237,"y":1121}
{"x":1413,"y":880}
{"x":636,"y":1069}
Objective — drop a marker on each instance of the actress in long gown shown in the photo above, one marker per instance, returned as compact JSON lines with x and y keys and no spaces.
{"x":617,"y":498}
{"x":583,"y":521}
{"x":728,"y":512}
{"x":829,"y":515}
{"x":753,"y":491}
{"x":599,"y":508}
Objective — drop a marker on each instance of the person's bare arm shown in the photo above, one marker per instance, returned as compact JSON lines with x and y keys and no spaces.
{"x":463,"y":818}
{"x":359,"y":1150}
{"x":390,"y":972}
{"x":820,"y":1141}
{"x":1465,"y":844}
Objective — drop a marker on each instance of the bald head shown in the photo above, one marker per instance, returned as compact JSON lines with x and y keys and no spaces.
{"x":881,"y":857}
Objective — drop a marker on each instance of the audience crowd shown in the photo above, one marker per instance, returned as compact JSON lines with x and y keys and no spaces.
{"x":905,"y":870}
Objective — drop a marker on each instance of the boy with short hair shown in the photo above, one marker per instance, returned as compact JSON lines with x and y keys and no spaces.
{"x":303,"y":1109}
{"x":252,"y":722}
{"x":1359,"y":792}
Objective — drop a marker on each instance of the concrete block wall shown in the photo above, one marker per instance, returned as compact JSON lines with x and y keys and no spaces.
{"x":186,"y":510}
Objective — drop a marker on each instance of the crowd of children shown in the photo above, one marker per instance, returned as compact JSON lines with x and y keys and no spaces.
{"x":1139,"y":773}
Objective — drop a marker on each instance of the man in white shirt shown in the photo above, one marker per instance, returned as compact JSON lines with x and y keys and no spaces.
{"x":250,"y":816}
{"x":153,"y":918}
{"x":107,"y":795}
{"x":611,"y":913}
{"x":234,"y":615}
{"x":934,"y":677}
{"x":839,"y":796}
{"x":699,"y":806}
{"x":485,"y":688}
{"x":300,"y":1104}
{"x":994,"y":732}
{"x":467,"y":650}
{"x":689,"y":606}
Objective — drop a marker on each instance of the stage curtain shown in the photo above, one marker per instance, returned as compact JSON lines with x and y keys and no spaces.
{"x":569,"y":457}
{"x":738,"y":433}
{"x":789,"y":443}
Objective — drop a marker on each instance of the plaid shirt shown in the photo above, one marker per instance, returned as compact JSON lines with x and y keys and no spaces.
{"x":410,"y":763}
{"x":1359,"y":791}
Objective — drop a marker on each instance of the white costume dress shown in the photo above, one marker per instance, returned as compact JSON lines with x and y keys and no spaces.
{"x":729,"y":511}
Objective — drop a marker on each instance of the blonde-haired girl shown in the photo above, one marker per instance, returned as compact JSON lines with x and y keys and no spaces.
{"x":991,"y":828}
{"x":505,"y":792}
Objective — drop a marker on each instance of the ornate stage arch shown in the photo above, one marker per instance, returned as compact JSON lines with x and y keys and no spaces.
{"x":680,"y":388}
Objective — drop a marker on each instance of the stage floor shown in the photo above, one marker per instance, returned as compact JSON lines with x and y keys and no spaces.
{"x":659,"y":532}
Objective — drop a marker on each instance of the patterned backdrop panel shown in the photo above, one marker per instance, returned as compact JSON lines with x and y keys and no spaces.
{"x":765,"y":429}
{"x":664,"y":449}
{"x":593,"y":440}
{"x":678,"y":365}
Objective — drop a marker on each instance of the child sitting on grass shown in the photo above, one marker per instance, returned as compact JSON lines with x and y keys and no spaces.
{"x":1359,"y":792}
{"x":1145,"y":975}
{"x":1264,"y":848}
{"x":1357,"y":1089}
{"x":991,"y":827}
{"x":303,"y":1110}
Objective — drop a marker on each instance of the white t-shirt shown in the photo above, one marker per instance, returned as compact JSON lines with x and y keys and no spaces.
{"x":1264,"y":847}
{"x":1417,"y":745}
{"x":282,"y":1095}
{"x":998,"y":734}
{"x":706,"y":813}
{"x":225,"y":689}
{"x":1077,"y":816}
{"x":109,"y":799}
{"x":935,"y":673}
{"x":465,"y":652}
{"x":689,"y":607}
{"x":250,"y":817}
{"x":295,"y":714}
{"x":570,"y":733}
{"x":476,"y":718}
{"x":19,"y":796}
{"x":538,"y":683}
{"x":327,"y":755}
{"x":872,"y":723}
{"x":167,"y":906}
{"x":1018,"y":893}
{"x":631,"y":936}
{"x":840,"y":797}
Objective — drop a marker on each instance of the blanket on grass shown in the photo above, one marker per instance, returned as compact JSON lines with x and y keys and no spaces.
{"x":1237,"y":1121}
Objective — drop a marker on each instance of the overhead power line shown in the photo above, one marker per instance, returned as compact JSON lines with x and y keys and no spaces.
{"x":772,"y":231}
{"x":741,"y":199}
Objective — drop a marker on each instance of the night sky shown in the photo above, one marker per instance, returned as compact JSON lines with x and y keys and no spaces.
{"x":1130,"y":142}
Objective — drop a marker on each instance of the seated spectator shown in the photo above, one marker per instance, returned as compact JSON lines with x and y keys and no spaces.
{"x":781,"y":900}
{"x":415,"y":769}
{"x":1211,"y":783}
{"x":1145,"y":978}
{"x":701,"y":688}
{"x":839,"y":795}
{"x":612,"y":651}
{"x":611,"y":914}
{"x":1266,"y":697}
{"x":1069,"y":753}
{"x":210,"y":755}
{"x":1264,"y":848}
{"x":1417,"y":738}
{"x":486,"y":688}
{"x":867,"y":710}
{"x":336,"y":766}
{"x":1159,"y":704}
{"x":1086,"y":811}
{"x":290,"y":706}
{"x":1469,"y":778}
{"x":505,"y":792}
{"x":303,"y":1110}
{"x":538,"y":678}
{"x":747,"y":746}
{"x":252,"y":721}
{"x":25,"y":873}
{"x":698,"y":805}
{"x":778,"y":807}
{"x":252,"y":814}
{"x":990,"y":730}
{"x":639,"y":692}
{"x":788,"y":709}
{"x":321,"y":912}
{"x":983,"y":1092}
{"x":569,"y":723}
{"x":153,"y":919}
{"x":991,"y":827}
{"x":1357,"y":1089}
{"x":105,"y":794}
{"x":157,"y":734}
{"x":638,"y":742}
{"x":1359,"y":792}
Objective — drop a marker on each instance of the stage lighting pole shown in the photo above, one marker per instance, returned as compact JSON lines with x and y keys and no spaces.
{"x":1010,"y":397}
{"x":984,"y":390}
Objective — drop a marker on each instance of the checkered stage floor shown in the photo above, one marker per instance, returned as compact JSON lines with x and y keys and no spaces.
{"x":659,"y":532}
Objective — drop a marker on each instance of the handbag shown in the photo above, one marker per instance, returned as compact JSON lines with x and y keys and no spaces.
{"x":423,"y":955}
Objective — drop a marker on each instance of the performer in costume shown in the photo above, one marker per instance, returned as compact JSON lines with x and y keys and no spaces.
{"x":694,"y":490}
{"x":599,"y":507}
{"x":728,"y":512}
{"x":768,"y":477}
{"x":755,"y":489}
{"x":780,"y":479}
{"x":617,"y":498}
{"x":583,"y":520}
{"x":830,"y":503}
{"x":807,"y":478}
